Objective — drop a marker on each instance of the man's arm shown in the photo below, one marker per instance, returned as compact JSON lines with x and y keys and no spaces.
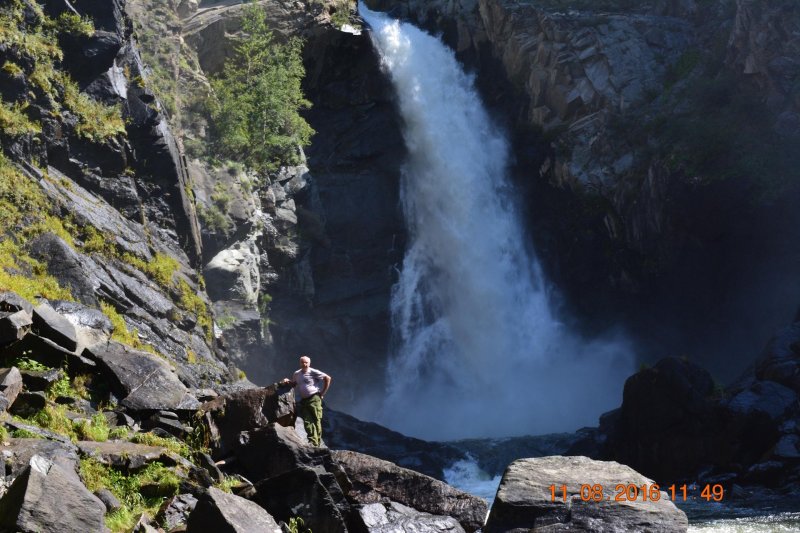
{"x":327,"y":380}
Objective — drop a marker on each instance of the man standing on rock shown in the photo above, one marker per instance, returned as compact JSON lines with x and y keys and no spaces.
{"x":307,"y":380}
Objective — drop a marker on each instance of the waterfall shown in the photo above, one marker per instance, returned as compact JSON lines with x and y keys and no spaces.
{"x":478,"y":349}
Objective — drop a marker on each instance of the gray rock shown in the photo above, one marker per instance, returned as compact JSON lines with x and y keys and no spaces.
{"x":146,"y":295}
{"x":51,"y":325}
{"x":117,"y":418}
{"x":766,"y":397}
{"x":175,"y":511}
{"x":11,"y":302}
{"x":28,"y":403}
{"x":524,"y":499}
{"x":121,"y":454}
{"x":217,"y":511}
{"x":35,"y":380}
{"x":374,"y":480}
{"x":10,"y":384}
{"x":14,"y":326}
{"x":170,"y":425}
{"x":205,"y":461}
{"x":233,"y":274}
{"x":50,"y":354}
{"x":787,"y":448}
{"x":109,"y":500}
{"x":18,"y":453}
{"x":74,"y":270}
{"x":47,"y":498}
{"x":147,"y":382}
{"x":392,"y":517}
{"x":345,"y":432}
{"x":306,"y":493}
{"x":273,"y":450}
{"x":228,"y":415}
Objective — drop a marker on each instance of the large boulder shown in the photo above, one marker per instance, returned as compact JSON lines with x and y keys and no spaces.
{"x":245,"y":410}
{"x":233,"y":274}
{"x":669,"y":422}
{"x":219,"y":512}
{"x":49,"y":498}
{"x":525,"y":499}
{"x":374,"y":480}
{"x":273,"y":450}
{"x":145,"y":381}
{"x":18,"y":453}
{"x":306,"y":493}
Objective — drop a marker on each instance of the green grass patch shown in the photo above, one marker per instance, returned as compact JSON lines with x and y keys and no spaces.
{"x":172,"y":444}
{"x":96,"y":120}
{"x":160,"y":267}
{"x":54,"y":418}
{"x":120,"y":331}
{"x":26,"y":276}
{"x":14,"y":121}
{"x":74,"y":24}
{"x":95,"y":429}
{"x":126,"y":487}
{"x":192,"y":302}
{"x":119,"y":433}
{"x":26,"y":363}
{"x":25,"y":434}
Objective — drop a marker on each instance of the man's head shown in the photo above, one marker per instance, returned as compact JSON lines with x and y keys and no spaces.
{"x":305,"y":362}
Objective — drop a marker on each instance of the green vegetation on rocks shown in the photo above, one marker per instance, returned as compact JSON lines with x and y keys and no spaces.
{"x":257,"y":99}
{"x":127,"y":488}
{"x":32,"y":44}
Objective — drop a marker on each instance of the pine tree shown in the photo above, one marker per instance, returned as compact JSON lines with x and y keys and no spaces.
{"x":256,"y":104}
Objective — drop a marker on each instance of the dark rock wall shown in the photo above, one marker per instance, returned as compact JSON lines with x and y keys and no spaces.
{"x":355,"y":158}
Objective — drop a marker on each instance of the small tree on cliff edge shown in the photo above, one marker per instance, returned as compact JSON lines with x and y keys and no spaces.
{"x":257,"y":99}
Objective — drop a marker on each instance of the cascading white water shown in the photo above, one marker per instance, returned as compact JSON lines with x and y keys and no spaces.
{"x":478,"y":349}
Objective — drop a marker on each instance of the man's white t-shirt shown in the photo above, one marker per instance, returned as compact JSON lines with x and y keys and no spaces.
{"x":307,"y":383}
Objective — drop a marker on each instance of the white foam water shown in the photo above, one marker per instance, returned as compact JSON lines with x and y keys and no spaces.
{"x":478,"y":348}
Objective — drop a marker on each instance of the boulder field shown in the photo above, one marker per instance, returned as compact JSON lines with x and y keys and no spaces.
{"x":92,"y":432}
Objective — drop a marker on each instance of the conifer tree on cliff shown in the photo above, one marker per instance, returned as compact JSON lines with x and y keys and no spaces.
{"x":256,"y":102}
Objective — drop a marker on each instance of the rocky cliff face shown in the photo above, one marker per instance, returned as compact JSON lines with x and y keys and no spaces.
{"x":97,"y":192}
{"x":301,"y":260}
